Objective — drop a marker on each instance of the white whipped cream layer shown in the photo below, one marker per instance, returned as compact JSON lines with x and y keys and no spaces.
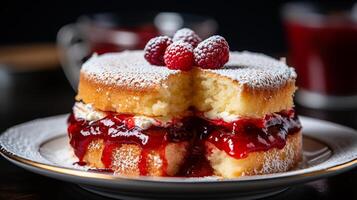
{"x":225,"y":116}
{"x":89,"y":113}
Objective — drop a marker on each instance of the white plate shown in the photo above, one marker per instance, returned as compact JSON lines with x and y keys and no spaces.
{"x":41,"y":146}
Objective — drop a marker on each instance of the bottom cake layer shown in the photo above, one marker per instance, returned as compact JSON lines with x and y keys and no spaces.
{"x":127,"y":159}
{"x":131,"y":160}
{"x":256,"y":163}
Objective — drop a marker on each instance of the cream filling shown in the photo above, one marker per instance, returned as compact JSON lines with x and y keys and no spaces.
{"x":225,"y":116}
{"x":89,"y":113}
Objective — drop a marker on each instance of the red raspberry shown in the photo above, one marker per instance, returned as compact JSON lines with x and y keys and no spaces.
{"x":179,"y":55}
{"x":187,"y":35}
{"x":212,"y":53}
{"x":155,"y":49}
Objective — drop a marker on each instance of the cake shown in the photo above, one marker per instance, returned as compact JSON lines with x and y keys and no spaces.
{"x":136,"y":118}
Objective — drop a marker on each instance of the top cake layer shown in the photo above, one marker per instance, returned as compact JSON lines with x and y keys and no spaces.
{"x":250,"y":84}
{"x":130,"y":69}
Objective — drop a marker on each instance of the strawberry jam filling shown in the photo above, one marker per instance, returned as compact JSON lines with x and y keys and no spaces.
{"x":116,"y":130}
{"x":237,"y":138}
{"x":245,"y":135}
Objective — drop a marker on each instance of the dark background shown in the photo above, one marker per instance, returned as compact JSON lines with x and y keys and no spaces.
{"x":250,"y":25}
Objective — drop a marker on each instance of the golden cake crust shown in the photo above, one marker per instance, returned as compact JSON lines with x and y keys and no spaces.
{"x":164,"y":99}
{"x":126,"y":158}
{"x":257,"y":163}
{"x":249,"y":85}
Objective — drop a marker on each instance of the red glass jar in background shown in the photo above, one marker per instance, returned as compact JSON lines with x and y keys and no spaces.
{"x":323,"y":49}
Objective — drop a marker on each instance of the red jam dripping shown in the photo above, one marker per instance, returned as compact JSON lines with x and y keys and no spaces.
{"x":245,"y":135}
{"x":237,"y":138}
{"x":109,"y":147}
{"x":116,"y":130}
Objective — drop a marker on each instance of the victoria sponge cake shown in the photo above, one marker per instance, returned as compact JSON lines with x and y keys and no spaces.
{"x":199,"y":110}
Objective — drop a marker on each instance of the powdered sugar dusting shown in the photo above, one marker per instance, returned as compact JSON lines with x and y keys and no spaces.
{"x":124,"y":160}
{"x":212,"y":53}
{"x":128,"y":68}
{"x":273,"y":162}
{"x":181,"y":44}
{"x":155,"y":50}
{"x":257,"y":70}
{"x":187,"y":35}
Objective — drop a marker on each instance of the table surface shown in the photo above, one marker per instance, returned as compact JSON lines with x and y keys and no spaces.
{"x":35,"y":94}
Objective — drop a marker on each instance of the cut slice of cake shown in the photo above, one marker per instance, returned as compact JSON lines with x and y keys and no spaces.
{"x":250,"y":125}
{"x":250,"y":85}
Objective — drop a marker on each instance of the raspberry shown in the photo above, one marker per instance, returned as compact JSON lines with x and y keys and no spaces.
{"x":179,"y":55}
{"x":212,"y":53}
{"x":155,"y":49}
{"x":187,"y":35}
